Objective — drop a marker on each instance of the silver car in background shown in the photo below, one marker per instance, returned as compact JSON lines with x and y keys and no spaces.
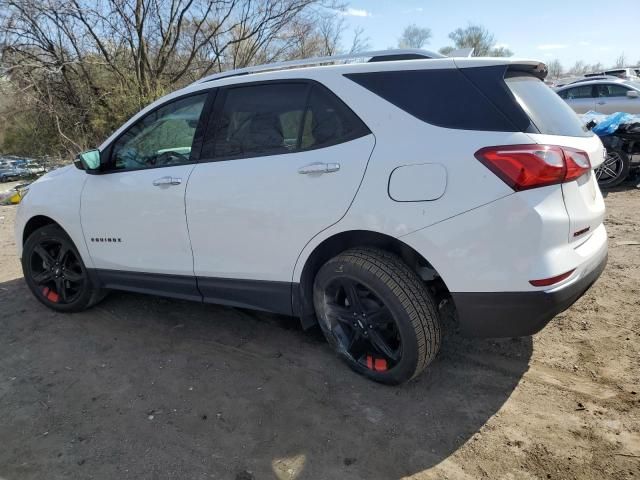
{"x":602,"y":96}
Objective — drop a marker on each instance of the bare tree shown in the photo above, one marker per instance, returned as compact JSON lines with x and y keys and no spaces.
{"x":579,"y":68}
{"x":555,"y":69}
{"x":596,"y":67}
{"x":84,"y":66}
{"x":330,"y":31}
{"x":621,"y":61}
{"x":480,"y":39}
{"x":360,"y":43}
{"x":414,"y":37}
{"x":446,"y":50}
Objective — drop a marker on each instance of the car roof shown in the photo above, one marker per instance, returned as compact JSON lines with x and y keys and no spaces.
{"x":600,"y":81}
{"x":400,"y":59}
{"x":611,"y":78}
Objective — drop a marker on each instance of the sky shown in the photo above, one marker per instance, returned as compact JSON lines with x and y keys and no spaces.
{"x":567,"y":30}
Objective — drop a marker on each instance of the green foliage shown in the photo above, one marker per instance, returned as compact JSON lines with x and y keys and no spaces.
{"x":27,"y":133}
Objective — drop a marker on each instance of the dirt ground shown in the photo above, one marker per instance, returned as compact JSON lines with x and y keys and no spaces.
{"x":142,"y":387}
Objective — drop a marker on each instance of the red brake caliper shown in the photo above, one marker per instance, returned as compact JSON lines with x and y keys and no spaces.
{"x":377,"y":364}
{"x":50,"y":295}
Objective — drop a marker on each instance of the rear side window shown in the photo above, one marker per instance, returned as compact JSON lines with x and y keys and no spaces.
{"x":479,"y":98}
{"x":277,"y":118}
{"x":548,"y":112}
{"x":442,"y":97}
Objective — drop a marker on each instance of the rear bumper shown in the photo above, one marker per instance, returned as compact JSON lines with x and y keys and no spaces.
{"x":517,"y":314}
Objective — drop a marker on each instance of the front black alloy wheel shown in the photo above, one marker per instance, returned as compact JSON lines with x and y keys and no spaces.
{"x":55,"y":273}
{"x":377,"y":314}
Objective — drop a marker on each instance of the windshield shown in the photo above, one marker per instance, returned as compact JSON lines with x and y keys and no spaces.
{"x":547,"y":111}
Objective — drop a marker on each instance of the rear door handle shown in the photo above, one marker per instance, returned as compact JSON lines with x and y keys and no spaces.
{"x":158,"y":182}
{"x":319,"y":168}
{"x":601,"y":103}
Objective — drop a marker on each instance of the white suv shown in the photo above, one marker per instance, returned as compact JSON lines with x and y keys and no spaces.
{"x":365,"y":196}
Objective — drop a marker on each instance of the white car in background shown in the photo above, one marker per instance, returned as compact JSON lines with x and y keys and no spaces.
{"x":34,"y":168}
{"x":364,"y":196}
{"x":631,"y":74}
{"x":602,"y":96}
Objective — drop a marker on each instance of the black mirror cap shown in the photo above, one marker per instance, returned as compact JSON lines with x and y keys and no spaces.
{"x":78,"y":163}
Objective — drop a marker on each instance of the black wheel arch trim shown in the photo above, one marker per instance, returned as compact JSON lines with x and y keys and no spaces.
{"x":302,"y":294}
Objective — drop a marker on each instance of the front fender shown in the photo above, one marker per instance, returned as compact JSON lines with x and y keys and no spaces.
{"x":57,"y":196}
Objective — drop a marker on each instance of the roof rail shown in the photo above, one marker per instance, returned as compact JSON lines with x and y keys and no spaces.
{"x":374,"y":56}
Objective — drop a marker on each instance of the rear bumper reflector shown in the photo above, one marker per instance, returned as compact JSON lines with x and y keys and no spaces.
{"x":580,"y":232}
{"x":545,"y":282}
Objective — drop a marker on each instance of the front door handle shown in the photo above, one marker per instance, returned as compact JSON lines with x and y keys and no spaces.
{"x":158,"y":182}
{"x":319,"y":168}
{"x":601,"y":103}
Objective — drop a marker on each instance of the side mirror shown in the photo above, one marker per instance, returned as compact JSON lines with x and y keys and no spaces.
{"x":633,"y":94}
{"x":88,"y":161}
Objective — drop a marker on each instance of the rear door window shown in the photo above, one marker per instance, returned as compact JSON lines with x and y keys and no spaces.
{"x":612,"y":90}
{"x":548,"y":112}
{"x":584,"y":91}
{"x":278,"y":118}
{"x":260,"y":120}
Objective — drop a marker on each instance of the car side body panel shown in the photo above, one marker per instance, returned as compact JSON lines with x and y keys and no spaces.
{"x":245,"y":224}
{"x":130,"y":224}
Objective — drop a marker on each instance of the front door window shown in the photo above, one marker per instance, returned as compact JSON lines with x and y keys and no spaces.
{"x":162,"y":138}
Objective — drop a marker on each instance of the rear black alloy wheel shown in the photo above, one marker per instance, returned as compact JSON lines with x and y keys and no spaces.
{"x":614,"y":170}
{"x":362,"y":324}
{"x":377,"y":314}
{"x":55,"y":272}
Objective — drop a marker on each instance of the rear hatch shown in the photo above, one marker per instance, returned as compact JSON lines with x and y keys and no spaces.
{"x":516,"y":87}
{"x":554,"y":123}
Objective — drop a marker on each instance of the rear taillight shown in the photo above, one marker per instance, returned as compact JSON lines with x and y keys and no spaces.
{"x":529,"y":166}
{"x":577,"y":163}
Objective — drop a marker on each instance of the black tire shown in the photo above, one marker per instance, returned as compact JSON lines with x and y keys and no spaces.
{"x":55,"y":272}
{"x":404,"y":314}
{"x":614,"y":170}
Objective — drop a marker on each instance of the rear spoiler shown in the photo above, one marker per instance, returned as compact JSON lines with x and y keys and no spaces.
{"x":536,"y":69}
